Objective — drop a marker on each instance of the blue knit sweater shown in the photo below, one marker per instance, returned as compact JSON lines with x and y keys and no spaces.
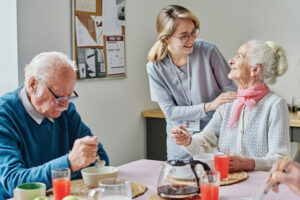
{"x":28,"y":150}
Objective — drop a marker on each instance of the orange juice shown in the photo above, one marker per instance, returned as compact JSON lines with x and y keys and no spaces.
{"x":209,"y":191}
{"x":61,"y":188}
{"x":222,"y":165}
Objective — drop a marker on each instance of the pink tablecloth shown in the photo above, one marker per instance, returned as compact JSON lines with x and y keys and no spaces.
{"x":147,"y":172}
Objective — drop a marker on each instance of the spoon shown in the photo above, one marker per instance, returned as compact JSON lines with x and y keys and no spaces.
{"x":99,"y":163}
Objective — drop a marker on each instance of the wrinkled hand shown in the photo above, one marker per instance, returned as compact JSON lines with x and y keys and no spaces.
{"x":239,"y":163}
{"x":84,"y":152}
{"x":179,"y":137}
{"x":222,"y":98}
{"x":290,"y":176}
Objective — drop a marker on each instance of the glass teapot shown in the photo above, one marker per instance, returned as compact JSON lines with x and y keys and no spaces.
{"x":178,"y":179}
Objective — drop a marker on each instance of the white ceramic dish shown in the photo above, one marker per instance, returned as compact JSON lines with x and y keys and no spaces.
{"x":92,"y":175}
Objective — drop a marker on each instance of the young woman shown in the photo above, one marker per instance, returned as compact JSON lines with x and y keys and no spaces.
{"x":187,"y":76}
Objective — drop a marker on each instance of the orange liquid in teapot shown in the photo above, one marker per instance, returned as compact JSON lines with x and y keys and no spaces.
{"x":176,"y":189}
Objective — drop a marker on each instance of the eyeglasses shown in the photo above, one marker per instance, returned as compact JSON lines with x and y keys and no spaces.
{"x":64,"y":98}
{"x":186,"y":37}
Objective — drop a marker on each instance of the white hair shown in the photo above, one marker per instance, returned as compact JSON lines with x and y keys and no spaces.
{"x":271,"y":56}
{"x":40,"y":67}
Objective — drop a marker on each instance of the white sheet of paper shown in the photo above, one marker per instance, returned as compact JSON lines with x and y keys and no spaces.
{"x":86,"y":5}
{"x":99,"y":29}
{"x":115,"y":54}
{"x":82,"y":35}
{"x":110,"y":21}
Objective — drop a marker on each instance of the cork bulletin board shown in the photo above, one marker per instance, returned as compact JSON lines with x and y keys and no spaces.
{"x":98,"y":32}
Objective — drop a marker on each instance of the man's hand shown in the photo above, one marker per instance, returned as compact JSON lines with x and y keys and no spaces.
{"x":84,"y":152}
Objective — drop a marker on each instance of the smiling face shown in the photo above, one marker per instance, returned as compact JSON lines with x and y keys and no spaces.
{"x":240,"y":69}
{"x":185,"y":27}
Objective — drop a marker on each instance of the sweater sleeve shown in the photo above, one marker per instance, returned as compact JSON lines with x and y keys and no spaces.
{"x":207,"y":140}
{"x":278,"y":136}
{"x":161,"y":94}
{"x":13,"y":170}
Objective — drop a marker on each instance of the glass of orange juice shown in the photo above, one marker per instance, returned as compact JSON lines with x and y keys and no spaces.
{"x":209,"y":185}
{"x":61,"y":183}
{"x":221,"y":161}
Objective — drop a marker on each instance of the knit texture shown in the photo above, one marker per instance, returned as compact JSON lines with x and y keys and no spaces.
{"x":266,"y":136}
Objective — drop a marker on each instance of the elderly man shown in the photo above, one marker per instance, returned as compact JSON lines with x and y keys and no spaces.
{"x":40,"y":130}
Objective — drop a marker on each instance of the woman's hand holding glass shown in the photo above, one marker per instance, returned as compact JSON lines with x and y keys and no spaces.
{"x":181,"y":136}
{"x":224,"y":97}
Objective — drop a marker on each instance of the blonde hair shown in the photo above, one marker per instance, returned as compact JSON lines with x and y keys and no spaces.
{"x":271,"y":56}
{"x":166,"y":23}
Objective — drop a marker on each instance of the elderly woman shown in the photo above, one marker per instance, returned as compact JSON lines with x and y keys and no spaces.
{"x":255,"y":127}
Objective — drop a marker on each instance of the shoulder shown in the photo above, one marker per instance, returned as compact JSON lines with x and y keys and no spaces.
{"x":204,"y":45}
{"x":158,"y":67}
{"x":225,"y":108}
{"x":9,"y":101}
{"x":273,"y":99}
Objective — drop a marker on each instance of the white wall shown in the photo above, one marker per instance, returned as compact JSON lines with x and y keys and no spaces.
{"x":9,"y":46}
{"x":112,"y":108}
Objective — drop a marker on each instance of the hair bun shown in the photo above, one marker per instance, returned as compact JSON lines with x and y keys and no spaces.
{"x":280,"y":58}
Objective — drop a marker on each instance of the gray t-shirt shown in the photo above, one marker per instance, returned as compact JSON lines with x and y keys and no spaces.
{"x":208,"y":72}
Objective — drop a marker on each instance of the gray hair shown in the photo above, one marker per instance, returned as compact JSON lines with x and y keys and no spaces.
{"x":271,"y":56}
{"x":41,"y":65}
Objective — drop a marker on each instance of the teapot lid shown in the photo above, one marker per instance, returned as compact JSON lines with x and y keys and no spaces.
{"x":178,"y":162}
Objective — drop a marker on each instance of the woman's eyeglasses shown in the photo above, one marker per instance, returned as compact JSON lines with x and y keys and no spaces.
{"x":186,"y":37}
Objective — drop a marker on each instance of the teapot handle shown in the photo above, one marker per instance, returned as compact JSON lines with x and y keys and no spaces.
{"x":206,"y":168}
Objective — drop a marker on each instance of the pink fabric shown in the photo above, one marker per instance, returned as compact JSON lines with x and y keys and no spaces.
{"x":248,"y":97}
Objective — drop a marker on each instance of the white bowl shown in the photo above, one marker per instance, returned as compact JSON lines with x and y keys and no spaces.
{"x":92,"y":175}
{"x":208,"y":158}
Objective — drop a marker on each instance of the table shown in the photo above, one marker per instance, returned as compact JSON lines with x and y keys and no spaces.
{"x":147,"y":172}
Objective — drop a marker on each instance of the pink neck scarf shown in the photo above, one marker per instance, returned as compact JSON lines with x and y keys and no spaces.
{"x":248,"y":97}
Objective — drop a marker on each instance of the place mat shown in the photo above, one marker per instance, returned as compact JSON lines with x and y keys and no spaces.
{"x":234,"y":177}
{"x":80,"y":190}
{"x":157,"y":197}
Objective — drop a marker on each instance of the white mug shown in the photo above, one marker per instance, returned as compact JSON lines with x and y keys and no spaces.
{"x":28,"y":191}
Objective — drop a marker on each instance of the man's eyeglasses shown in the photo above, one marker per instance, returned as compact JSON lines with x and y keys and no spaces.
{"x":186,"y":37}
{"x":64,"y":98}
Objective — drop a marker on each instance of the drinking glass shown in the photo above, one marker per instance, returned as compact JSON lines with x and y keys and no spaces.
{"x":209,"y":185}
{"x":221,"y":160}
{"x":61,"y":183}
{"x":112,"y":189}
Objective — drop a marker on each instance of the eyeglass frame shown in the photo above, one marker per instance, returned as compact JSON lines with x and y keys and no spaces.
{"x":189,"y":35}
{"x":63,"y":98}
